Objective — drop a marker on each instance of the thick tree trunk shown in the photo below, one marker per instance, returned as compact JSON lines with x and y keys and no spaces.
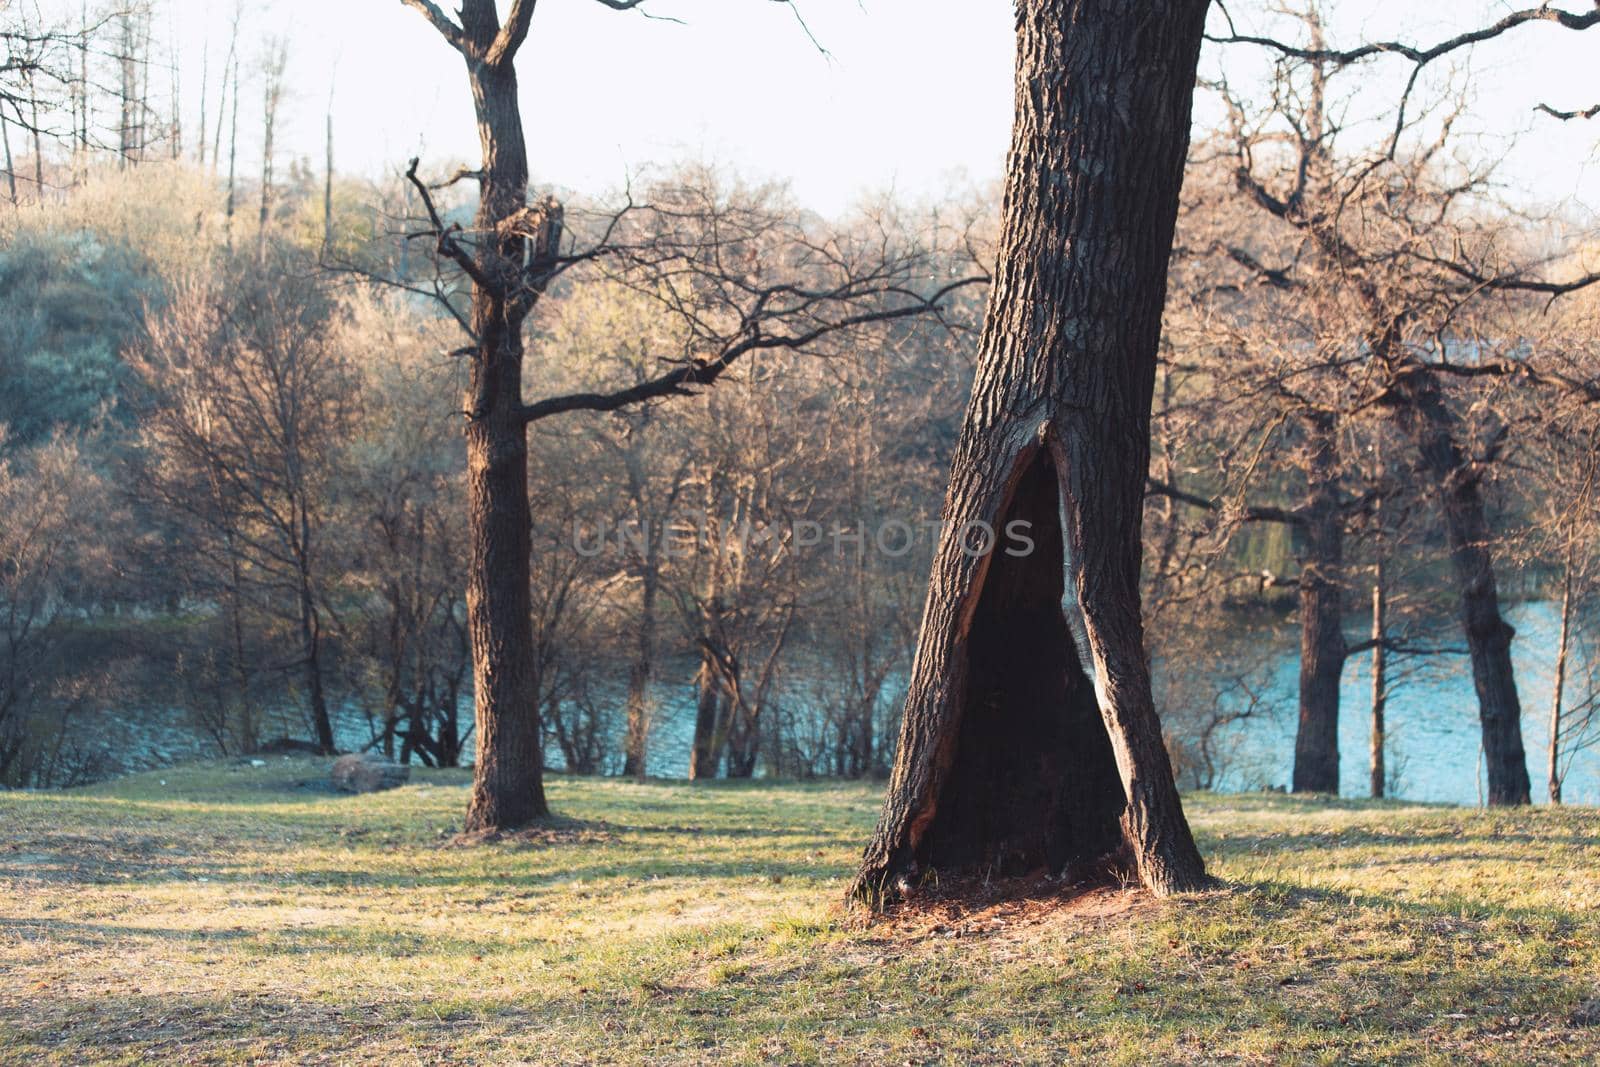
{"x":508,"y":782}
{"x":1322,"y":644}
{"x":1432,"y":428}
{"x":1030,"y":739}
{"x":507,"y":787}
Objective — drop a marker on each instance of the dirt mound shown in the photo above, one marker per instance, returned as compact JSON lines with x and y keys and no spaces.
{"x":545,"y":834}
{"x":974,"y":907}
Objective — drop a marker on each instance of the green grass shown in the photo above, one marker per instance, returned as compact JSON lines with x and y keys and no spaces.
{"x":229,"y":914}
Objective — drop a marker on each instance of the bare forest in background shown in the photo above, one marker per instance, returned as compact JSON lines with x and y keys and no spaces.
{"x":234,"y":492}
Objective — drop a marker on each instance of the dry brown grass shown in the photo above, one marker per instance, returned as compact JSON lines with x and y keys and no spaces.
{"x":220,"y":914}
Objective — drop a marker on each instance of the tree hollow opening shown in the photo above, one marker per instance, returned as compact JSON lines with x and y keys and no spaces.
{"x":1033,"y":784}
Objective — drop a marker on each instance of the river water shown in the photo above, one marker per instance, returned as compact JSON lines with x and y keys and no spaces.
{"x":1435,"y":744}
{"x":1433,"y":752}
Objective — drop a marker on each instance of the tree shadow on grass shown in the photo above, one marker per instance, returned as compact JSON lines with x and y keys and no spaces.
{"x":1365,"y":837}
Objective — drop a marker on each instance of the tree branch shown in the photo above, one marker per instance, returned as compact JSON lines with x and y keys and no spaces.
{"x":679,"y":381}
{"x":1586,"y":113}
{"x":1511,"y":282}
{"x":1249,"y":514}
{"x":1420,"y":56}
{"x":1402,"y":649}
{"x":512,"y":34}
{"x":447,"y":244}
{"x":441,"y":22}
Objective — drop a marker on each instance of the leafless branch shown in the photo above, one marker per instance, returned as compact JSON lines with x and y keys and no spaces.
{"x":441,"y":22}
{"x":699,"y":372}
{"x":512,"y":34}
{"x":1417,"y":55}
{"x":446,"y":243}
{"x":1586,"y":113}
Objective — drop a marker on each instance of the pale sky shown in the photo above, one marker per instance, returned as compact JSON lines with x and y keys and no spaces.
{"x":915,"y":94}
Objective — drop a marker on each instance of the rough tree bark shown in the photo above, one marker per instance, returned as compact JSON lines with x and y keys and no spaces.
{"x":1322,"y":644}
{"x":508,"y":785}
{"x":1423,"y":414}
{"x":1030,"y":737}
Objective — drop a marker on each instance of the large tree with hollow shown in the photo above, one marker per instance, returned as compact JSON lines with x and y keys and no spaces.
{"x":1030,"y":739}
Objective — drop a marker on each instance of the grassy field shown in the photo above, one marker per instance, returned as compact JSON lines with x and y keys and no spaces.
{"x":235,"y":914}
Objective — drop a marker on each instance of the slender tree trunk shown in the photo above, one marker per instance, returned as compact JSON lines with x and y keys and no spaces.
{"x":1167,"y":546}
{"x":637,"y":739}
{"x":38,"y":145}
{"x":270,"y":95}
{"x":1380,"y":686}
{"x":327,"y":184}
{"x":1030,"y":737}
{"x":311,"y":642}
{"x":450,"y":724}
{"x":205,"y":91}
{"x":175,"y":123}
{"x":80,"y":131}
{"x":1432,"y":428}
{"x":241,"y":669}
{"x":743,"y":740}
{"x":1322,"y":644}
{"x":233,"y":151}
{"x":225,"y":95}
{"x":144,"y":110}
{"x":704,"y":755}
{"x":11,"y":172}
{"x":508,"y":782}
{"x":1558,"y":689}
{"x":129,"y":91}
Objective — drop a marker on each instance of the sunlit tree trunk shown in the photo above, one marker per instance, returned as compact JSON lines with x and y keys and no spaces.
{"x":508,"y":784}
{"x":1030,"y":739}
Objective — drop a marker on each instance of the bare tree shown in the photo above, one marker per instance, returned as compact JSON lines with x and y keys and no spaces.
{"x":510,"y":257}
{"x":48,"y":550}
{"x":36,"y":79}
{"x":246,"y":401}
{"x":1385,"y":242}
